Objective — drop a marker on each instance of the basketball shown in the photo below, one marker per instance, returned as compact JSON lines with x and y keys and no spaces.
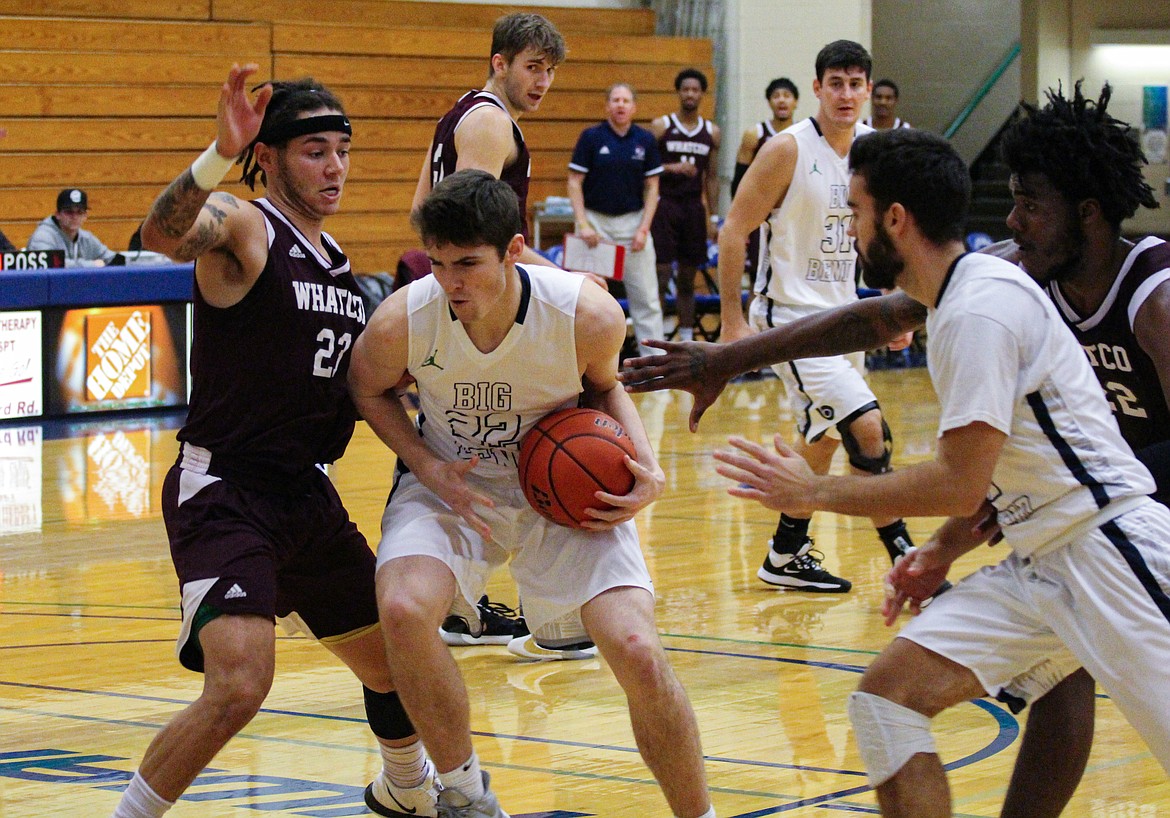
{"x":569,"y":455}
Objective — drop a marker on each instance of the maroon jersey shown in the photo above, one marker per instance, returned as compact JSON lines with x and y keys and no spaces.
{"x":444,"y":157}
{"x":764,"y":132}
{"x":677,"y":144}
{"x":1124,"y":369}
{"x":269,"y":396}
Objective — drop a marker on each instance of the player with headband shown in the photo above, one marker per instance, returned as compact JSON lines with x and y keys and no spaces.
{"x":256,"y":529}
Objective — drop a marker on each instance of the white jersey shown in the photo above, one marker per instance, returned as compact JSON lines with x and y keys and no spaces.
{"x":1000,"y":354}
{"x":813,"y":263}
{"x":473,"y":403}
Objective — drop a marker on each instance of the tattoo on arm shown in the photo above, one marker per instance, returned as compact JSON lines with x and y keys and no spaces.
{"x":173,"y":211}
{"x":874,"y":329}
{"x":178,"y":206}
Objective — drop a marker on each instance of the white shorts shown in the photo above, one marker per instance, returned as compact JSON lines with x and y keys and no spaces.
{"x":822,"y":392}
{"x":1103,"y":601}
{"x":557,"y":569}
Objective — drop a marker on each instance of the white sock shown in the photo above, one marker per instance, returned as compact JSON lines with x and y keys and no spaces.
{"x":687,"y":334}
{"x":140,"y":801}
{"x":710,"y":813}
{"x":466,"y":778}
{"x":404,"y":766}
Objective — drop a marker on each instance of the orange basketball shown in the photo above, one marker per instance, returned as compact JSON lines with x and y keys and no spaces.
{"x":569,"y":455}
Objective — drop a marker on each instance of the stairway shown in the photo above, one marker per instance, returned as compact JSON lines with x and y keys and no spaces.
{"x":991,"y":201}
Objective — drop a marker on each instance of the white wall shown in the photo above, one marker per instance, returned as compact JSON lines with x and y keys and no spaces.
{"x":779,"y":38}
{"x":1059,"y":40}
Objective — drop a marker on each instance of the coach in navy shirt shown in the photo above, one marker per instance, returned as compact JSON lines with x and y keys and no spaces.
{"x":613,"y":185}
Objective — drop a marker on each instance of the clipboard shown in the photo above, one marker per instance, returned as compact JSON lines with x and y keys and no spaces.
{"x":606,"y":259}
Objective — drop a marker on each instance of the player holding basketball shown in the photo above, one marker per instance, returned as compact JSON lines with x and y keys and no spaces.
{"x":481,"y":132}
{"x":488,"y":341}
{"x":1037,"y":445}
{"x":256,"y":528}
{"x":798,"y":184}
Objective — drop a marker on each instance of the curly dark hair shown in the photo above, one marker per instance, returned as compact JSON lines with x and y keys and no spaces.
{"x":1083,"y":152}
{"x":290,"y":99}
{"x":690,"y":74}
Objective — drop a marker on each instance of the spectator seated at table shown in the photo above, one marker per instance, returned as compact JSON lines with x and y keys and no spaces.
{"x":63,"y":231}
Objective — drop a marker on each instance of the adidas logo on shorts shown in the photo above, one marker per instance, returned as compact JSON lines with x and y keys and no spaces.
{"x":296,"y":252}
{"x":235,"y":592}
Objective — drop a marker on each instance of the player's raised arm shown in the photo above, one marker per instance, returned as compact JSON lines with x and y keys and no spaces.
{"x":179,"y":223}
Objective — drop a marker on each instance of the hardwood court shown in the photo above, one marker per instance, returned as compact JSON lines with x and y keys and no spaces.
{"x":89,"y":615}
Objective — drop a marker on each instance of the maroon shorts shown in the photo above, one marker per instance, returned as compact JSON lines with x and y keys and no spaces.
{"x":680,"y":231}
{"x":254,"y":552}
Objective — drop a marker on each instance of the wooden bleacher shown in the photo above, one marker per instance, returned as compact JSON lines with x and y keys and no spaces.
{"x":117,"y":97}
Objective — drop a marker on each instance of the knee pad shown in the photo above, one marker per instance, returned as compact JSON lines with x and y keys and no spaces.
{"x":858,"y":459}
{"x":887,"y":734}
{"x":386,"y":715}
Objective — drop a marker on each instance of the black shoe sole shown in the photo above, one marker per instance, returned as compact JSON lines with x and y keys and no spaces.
{"x":379,"y":808}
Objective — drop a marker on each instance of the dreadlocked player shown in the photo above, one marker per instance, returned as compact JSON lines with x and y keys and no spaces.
{"x":1076,"y":176}
{"x":256,"y":529}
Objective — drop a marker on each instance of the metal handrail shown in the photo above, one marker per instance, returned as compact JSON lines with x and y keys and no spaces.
{"x":978,"y":97}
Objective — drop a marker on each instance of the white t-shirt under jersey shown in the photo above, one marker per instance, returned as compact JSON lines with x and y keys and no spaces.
{"x":813,"y":263}
{"x":1000,"y":354}
{"x":482,"y":403}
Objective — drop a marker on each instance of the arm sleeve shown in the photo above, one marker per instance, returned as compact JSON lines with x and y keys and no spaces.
{"x":653,"y":156}
{"x":740,"y":170}
{"x":976,"y":371}
{"x":582,"y":158}
{"x":43,"y":239}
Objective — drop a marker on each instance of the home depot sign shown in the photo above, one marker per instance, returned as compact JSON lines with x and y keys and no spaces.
{"x":118,"y":359}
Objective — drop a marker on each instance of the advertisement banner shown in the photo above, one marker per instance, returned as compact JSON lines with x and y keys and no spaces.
{"x":21,"y":377}
{"x":109,"y":358}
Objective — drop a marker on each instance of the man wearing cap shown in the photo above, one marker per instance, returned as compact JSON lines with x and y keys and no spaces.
{"x":62,"y":231}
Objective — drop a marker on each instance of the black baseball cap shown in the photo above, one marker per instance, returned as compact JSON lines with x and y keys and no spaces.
{"x":72,"y":198}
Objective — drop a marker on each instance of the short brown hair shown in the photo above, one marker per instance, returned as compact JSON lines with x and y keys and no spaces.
{"x":515,"y":32}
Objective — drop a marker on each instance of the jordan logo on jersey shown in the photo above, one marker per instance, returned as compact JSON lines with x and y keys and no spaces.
{"x":430,"y":361}
{"x":815,"y":169}
{"x":296,"y":252}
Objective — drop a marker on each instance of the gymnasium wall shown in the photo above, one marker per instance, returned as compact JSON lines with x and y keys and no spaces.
{"x":779,"y":38}
{"x":118,"y":96}
{"x":1126,"y":43}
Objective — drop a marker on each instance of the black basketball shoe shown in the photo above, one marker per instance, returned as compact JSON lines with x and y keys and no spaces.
{"x":498,"y":625}
{"x":801,"y":571}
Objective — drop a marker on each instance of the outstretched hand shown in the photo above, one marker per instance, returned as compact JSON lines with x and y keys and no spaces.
{"x":780,"y":479}
{"x":691,"y":366}
{"x":239,"y":118}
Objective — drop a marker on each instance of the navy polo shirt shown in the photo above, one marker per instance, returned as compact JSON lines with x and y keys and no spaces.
{"x":615,"y":167}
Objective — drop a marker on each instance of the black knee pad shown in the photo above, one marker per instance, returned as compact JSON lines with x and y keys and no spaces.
{"x":858,"y":459}
{"x":386,"y":715}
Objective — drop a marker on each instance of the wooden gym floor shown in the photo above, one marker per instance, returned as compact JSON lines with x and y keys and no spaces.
{"x":88,"y":615}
